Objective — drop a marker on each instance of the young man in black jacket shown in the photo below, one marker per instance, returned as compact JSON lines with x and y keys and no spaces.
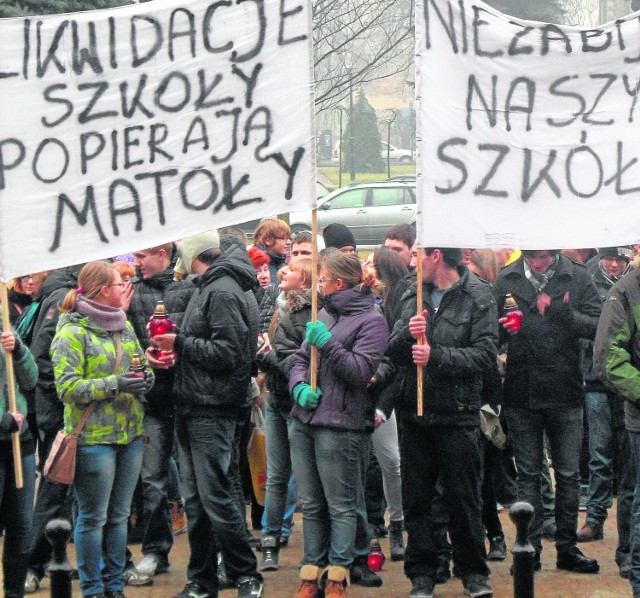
{"x":543,"y":387}
{"x":458,"y":334}
{"x":215,"y":350}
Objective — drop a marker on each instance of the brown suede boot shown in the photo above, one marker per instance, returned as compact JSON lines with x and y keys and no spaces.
{"x":337,"y":582}
{"x":309,"y":575}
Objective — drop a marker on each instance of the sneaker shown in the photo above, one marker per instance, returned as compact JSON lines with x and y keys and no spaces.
{"x":270,"y":556}
{"x":178,"y":518}
{"x":114,"y":594}
{"x":497,"y":549}
{"x":150,"y":566}
{"x":32,"y":582}
{"x":133,"y":577}
{"x":193,"y":590}
{"x":249,"y":587}
{"x":422,"y":587}
{"x":476,"y":585}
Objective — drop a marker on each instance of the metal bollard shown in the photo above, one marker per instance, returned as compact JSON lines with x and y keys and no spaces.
{"x":58,"y":532}
{"x":521,"y":513}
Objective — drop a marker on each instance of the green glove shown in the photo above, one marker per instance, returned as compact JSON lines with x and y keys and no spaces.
{"x":305,"y":397}
{"x":317,"y":334}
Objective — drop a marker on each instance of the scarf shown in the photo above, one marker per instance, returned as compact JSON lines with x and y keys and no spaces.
{"x":112,"y":319}
{"x":540,"y":281}
{"x":613,"y":279}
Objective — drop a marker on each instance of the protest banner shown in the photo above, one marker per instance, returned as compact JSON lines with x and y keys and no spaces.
{"x":527,"y":132}
{"x":126,"y":128}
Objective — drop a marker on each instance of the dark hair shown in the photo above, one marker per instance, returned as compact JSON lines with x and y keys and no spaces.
{"x":450,"y":255}
{"x":402,"y":232}
{"x":532,"y":252}
{"x":208,"y":256}
{"x":234,"y":231}
{"x":304,"y":236}
{"x":390,"y":268}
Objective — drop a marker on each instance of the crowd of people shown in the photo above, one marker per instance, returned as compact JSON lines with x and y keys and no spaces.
{"x":381,"y":417}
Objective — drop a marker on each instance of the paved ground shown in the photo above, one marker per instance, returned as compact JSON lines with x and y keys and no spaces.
{"x":283,"y":583}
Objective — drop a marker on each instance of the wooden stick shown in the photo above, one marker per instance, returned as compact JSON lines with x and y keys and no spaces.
{"x":420,"y":371}
{"x":11,"y":386}
{"x":314,"y":294}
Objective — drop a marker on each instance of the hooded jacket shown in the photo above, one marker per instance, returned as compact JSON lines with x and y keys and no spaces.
{"x":49,"y":409}
{"x":346,"y":363}
{"x":463,"y":335}
{"x":84,"y":357}
{"x":543,"y":361}
{"x":216,"y":346}
{"x":176,"y":295}
{"x":616,"y":353}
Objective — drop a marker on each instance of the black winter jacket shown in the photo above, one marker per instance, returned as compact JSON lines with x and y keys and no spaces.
{"x":49,"y":408}
{"x":216,"y":347}
{"x":176,"y":295}
{"x":463,"y":335}
{"x":543,"y":360}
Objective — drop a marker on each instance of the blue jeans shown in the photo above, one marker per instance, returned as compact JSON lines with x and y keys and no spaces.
{"x":326,"y":464}
{"x":214,"y":520}
{"x":158,"y":533}
{"x":106,"y":476}
{"x":281,"y":497}
{"x":17,"y":515}
{"x":564,"y":431}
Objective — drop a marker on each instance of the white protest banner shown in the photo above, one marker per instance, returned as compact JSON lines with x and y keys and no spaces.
{"x":126,"y":128}
{"x":527,"y":132}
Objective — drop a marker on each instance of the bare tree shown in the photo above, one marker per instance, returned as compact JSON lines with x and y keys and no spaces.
{"x":357,"y":41}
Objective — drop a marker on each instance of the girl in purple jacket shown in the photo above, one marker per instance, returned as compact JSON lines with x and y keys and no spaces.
{"x":327,"y":433}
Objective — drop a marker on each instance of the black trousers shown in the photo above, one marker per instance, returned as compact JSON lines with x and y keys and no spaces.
{"x":452,"y":453}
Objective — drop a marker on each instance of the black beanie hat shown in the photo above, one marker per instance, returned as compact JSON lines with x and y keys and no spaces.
{"x":624,"y":252}
{"x":338,"y":235}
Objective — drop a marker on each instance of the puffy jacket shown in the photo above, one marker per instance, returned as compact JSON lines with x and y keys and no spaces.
{"x":84,"y":356}
{"x":266,"y":298}
{"x":346,"y":363}
{"x":49,"y":409}
{"x":216,"y":346}
{"x":616,"y":353}
{"x":463,"y":335}
{"x":176,"y":295}
{"x":543,"y":360}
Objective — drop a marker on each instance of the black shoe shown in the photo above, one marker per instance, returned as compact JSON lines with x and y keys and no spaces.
{"x":270,"y":556}
{"x":193,"y":590}
{"x":115,"y":594}
{"x":549,"y":531}
{"x":283,"y":542}
{"x":497,"y":549}
{"x":249,"y":587}
{"x":396,"y":540}
{"x":476,"y":585}
{"x":422,"y":587}
{"x":625,"y":570}
{"x":574,"y":560}
{"x":443,"y":574}
{"x":361,"y":575}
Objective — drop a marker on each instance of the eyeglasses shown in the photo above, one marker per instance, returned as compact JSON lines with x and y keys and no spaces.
{"x":282,"y":238}
{"x":322,"y":280}
{"x":118,"y":284}
{"x":26,"y":278}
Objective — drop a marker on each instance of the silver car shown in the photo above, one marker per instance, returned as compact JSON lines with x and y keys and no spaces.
{"x":368,"y":209}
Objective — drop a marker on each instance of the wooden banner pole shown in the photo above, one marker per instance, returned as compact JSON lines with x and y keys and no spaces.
{"x":314,"y":294}
{"x":420,"y":309}
{"x":11,"y":386}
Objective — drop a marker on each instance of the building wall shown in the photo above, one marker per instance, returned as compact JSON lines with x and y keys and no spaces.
{"x":612,"y":9}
